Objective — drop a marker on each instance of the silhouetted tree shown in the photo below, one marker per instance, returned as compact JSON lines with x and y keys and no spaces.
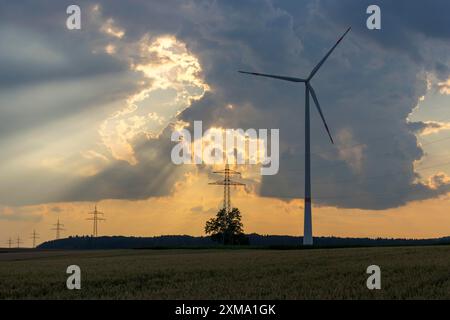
{"x":226,"y":227}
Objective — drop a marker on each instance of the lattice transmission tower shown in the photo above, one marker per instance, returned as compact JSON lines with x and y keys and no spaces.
{"x":95,"y":218}
{"x":226,"y":183}
{"x":18,"y":241}
{"x":9,"y":242}
{"x":34,"y":236}
{"x":58,"y":228}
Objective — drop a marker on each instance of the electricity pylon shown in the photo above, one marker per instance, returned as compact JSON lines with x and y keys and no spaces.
{"x":226,"y":183}
{"x":18,"y":241}
{"x":34,"y":236}
{"x":58,"y":227}
{"x":95,"y":218}
{"x":9,"y":242}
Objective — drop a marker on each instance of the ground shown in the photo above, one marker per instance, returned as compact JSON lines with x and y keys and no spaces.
{"x":406,"y":272}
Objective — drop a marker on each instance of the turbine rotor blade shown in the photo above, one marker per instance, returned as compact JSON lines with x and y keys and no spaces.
{"x":316,"y":102}
{"x":316,"y":68}
{"x":291,"y":79}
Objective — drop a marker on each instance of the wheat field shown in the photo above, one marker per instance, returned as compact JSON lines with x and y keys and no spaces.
{"x":406,"y":273}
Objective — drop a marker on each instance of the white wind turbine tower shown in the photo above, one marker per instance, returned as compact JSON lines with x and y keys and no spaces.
{"x":307,"y":235}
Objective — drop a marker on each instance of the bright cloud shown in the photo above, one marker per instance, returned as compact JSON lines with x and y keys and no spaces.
{"x":444,"y":87}
{"x":174,"y":82}
{"x":438,"y":180}
{"x":111,"y":29}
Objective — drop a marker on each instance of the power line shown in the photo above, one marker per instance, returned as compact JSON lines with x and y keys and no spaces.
{"x":95,"y":218}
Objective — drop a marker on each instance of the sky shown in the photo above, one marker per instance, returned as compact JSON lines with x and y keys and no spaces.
{"x":86,"y":116}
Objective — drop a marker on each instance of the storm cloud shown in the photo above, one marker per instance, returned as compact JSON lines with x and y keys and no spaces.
{"x":55,"y":79}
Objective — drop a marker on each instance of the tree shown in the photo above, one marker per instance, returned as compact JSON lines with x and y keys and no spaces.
{"x":227,"y":228}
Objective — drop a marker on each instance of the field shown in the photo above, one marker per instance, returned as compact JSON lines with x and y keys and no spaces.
{"x":407,"y":273}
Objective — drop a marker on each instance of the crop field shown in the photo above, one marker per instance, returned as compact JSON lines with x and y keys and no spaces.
{"x":406,"y":273}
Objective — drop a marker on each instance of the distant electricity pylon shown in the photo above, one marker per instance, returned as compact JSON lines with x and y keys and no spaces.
{"x":58,"y":228}
{"x":18,"y":241}
{"x":95,"y":218}
{"x":226,"y":183}
{"x":34,"y":236}
{"x":9,"y":242}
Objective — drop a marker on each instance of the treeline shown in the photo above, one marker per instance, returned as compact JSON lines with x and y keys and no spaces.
{"x":120,"y":242}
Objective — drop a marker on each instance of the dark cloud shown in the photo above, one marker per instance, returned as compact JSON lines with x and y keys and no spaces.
{"x":367,"y":89}
{"x":49,"y":73}
{"x":420,"y":126}
{"x":154,"y":175}
{"x":37,"y":46}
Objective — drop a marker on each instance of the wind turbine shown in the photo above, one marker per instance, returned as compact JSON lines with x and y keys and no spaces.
{"x":307,"y":235}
